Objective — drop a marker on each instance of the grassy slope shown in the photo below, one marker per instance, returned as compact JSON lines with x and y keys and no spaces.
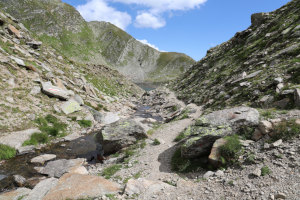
{"x":213,"y":77}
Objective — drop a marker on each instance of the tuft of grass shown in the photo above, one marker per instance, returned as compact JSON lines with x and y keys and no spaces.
{"x":50,"y":128}
{"x":265,"y":170}
{"x":268,"y":114}
{"x":6,"y":152}
{"x":231,"y":150}
{"x":37,"y":138}
{"x":85,"y":123}
{"x":286,"y":130}
{"x":156,"y":142}
{"x":110,"y":171}
{"x":137,"y":175}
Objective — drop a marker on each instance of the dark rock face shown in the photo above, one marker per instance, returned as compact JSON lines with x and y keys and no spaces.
{"x":120,"y":134}
{"x":215,"y":125}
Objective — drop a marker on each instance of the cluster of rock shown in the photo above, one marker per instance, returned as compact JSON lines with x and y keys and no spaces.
{"x":259,"y":66}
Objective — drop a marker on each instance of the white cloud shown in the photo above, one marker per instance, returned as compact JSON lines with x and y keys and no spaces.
{"x":148,"y":20}
{"x":147,"y":43}
{"x":159,"y":6}
{"x":99,"y":10}
{"x":151,"y":14}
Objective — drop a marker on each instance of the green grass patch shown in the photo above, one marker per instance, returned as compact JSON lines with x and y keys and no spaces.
{"x":50,"y":128}
{"x":110,"y":171}
{"x":6,"y":152}
{"x":37,"y":138}
{"x":231,"y":150}
{"x":265,"y":170}
{"x":156,"y":142}
{"x":85,"y":123}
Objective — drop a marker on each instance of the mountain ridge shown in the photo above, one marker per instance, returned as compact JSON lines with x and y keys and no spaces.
{"x":62,"y":26}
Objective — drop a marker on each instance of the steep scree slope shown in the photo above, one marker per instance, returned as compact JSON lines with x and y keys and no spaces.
{"x":61,"y":26}
{"x":259,"y":66}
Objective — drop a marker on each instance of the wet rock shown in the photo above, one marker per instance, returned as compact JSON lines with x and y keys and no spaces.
{"x":70,"y":106}
{"x":43,"y":158}
{"x":58,"y":168}
{"x":12,"y":30}
{"x":145,"y":187}
{"x":41,"y":189}
{"x":78,"y":186}
{"x":120,"y":134}
{"x":19,"y":180}
{"x":54,"y":91}
{"x":26,"y":149}
{"x":214,"y":156}
{"x":15,"y":194}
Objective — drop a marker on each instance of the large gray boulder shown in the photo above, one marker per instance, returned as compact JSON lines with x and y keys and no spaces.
{"x":55,"y":91}
{"x":58,"y":168}
{"x":215,"y":125}
{"x":70,"y":106}
{"x":120,"y":134}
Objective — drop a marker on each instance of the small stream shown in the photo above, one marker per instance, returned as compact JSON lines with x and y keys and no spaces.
{"x":83,"y":147}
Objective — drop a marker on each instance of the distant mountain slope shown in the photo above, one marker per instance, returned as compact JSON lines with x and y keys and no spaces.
{"x":61,"y":26}
{"x":259,"y":66}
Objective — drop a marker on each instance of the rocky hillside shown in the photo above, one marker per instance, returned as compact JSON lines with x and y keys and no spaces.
{"x":259,"y":66}
{"x":36,"y":80}
{"x":61,"y":26}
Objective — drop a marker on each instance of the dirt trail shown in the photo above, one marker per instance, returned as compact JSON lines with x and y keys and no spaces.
{"x":154,"y":161}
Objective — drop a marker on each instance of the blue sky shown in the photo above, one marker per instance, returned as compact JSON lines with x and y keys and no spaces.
{"x":188,"y":26}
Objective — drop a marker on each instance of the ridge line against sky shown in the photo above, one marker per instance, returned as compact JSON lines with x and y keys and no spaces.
{"x":186,"y":26}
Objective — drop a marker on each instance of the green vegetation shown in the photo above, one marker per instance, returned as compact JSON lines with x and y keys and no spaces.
{"x":110,"y":171}
{"x":286,"y":130}
{"x":50,"y":128}
{"x":137,"y":175}
{"x":85,"y":123}
{"x":156,"y":142}
{"x":231,"y":150}
{"x":6,"y":152}
{"x":37,"y":138}
{"x":111,"y":196}
{"x":265,"y":171}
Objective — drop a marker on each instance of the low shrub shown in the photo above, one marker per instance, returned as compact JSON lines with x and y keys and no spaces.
{"x":265,"y":170}
{"x":231,"y":150}
{"x":156,"y":142}
{"x":6,"y":152}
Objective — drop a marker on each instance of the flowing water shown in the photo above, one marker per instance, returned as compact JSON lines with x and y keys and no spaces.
{"x":83,"y":147}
